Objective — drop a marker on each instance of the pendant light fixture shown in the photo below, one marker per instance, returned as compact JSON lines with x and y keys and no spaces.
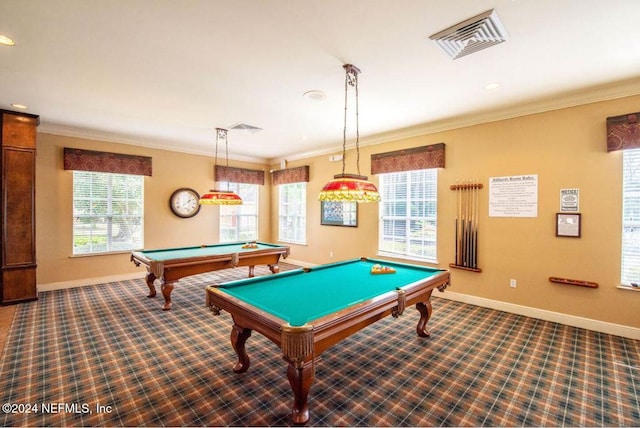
{"x":350,"y":187}
{"x":220,"y":197}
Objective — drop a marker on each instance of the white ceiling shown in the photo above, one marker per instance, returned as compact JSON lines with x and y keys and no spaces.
{"x":165,"y":73}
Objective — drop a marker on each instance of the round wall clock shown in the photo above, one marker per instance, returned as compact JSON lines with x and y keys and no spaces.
{"x":184,"y":202}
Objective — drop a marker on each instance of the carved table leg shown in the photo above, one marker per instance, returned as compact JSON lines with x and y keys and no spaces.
{"x":149,"y":278}
{"x":167,"y":288}
{"x":251,"y":271}
{"x":239,"y":336}
{"x":300,"y":378}
{"x":274,"y":268}
{"x":425,"y":310}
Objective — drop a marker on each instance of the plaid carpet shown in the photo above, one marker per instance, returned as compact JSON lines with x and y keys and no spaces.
{"x":108,"y":345}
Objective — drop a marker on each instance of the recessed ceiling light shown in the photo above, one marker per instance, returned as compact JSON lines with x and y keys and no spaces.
{"x":494,"y":85}
{"x":4,"y":40}
{"x":315,"y":95}
{"x":20,"y":106}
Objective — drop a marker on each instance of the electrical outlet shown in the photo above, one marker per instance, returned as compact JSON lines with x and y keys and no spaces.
{"x":330,"y":253}
{"x":512,"y":283}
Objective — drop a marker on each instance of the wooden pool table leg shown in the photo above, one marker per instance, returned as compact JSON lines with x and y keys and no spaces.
{"x":167,"y":288}
{"x":239,"y":337}
{"x":425,"y":310}
{"x":301,"y":376}
{"x":149,"y":278}
{"x":274,"y":268}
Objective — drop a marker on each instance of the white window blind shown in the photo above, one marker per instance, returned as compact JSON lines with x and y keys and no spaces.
{"x":108,"y":212}
{"x":408,"y":214}
{"x":631,"y":217}
{"x":240,"y":222}
{"x":292,"y":220}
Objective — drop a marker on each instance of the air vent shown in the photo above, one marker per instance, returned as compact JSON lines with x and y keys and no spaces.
{"x":245,"y":127}
{"x":474,"y":34}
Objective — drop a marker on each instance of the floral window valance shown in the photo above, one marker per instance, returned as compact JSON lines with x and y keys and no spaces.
{"x":238,"y":175}
{"x":117,"y":163}
{"x":623,"y":132}
{"x":290,"y":175}
{"x":415,"y":158}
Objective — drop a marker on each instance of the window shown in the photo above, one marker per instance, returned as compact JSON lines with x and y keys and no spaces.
{"x":292,"y":221}
{"x":240,"y":222}
{"x":631,"y":217}
{"x":408,"y":214}
{"x":108,"y":212}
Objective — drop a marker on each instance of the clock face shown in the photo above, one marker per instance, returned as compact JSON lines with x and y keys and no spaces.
{"x":184,"y":202}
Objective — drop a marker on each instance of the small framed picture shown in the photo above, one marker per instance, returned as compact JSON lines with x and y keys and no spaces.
{"x":568,"y":225}
{"x":339,"y":213}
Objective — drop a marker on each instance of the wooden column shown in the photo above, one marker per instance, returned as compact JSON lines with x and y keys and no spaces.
{"x":17,"y":210}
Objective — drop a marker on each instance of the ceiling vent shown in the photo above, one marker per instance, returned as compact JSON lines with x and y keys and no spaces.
{"x":245,"y":127}
{"x":474,"y":34}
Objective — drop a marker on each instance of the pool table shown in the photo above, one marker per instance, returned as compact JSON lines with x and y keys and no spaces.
{"x":306,"y":311}
{"x":171,"y":264}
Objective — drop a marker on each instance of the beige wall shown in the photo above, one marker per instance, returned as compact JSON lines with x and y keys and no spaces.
{"x":163,"y":229}
{"x":566,"y":149}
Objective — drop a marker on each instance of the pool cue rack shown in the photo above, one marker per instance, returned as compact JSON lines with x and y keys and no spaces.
{"x":466,"y":235}
{"x":567,"y":281}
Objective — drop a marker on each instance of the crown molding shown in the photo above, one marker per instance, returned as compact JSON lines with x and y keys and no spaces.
{"x":596,"y":94}
{"x":112,"y":137}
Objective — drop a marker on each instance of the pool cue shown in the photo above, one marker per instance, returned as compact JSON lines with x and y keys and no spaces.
{"x":457,"y":216}
{"x":470,"y":239}
{"x":465,"y":198}
{"x":461,"y":224}
{"x":473,"y":226}
{"x":470,"y":196}
{"x":459,"y":229}
{"x":471,"y":246}
{"x":476,"y":218}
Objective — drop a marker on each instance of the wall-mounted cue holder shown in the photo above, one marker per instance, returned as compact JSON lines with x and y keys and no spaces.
{"x":466,"y":234}
{"x":568,"y":281}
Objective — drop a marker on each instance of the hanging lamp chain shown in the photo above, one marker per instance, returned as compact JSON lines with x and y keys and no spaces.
{"x":351,"y":79}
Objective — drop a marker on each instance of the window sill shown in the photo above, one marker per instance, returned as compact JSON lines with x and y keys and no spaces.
{"x":409,"y":258}
{"x":109,"y":253}
{"x":292,"y":242}
{"x":628,"y":287}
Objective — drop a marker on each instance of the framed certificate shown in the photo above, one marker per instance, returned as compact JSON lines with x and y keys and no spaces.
{"x":568,"y":225}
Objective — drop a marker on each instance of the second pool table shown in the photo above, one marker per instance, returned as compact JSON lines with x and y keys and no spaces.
{"x":306,"y":311}
{"x":171,"y":264}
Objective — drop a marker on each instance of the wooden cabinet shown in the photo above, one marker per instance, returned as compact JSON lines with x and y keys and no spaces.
{"x":17,"y":207}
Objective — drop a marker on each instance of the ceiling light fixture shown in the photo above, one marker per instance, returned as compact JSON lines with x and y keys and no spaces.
{"x":494,"y":85}
{"x":315,"y":95}
{"x":6,"y":41}
{"x":220,"y":197}
{"x":350,"y":187}
{"x":20,"y":106}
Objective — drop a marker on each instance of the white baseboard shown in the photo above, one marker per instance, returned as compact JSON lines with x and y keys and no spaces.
{"x":587,"y":323}
{"x":574,"y":321}
{"x":89,"y":281}
{"x":299,"y":263}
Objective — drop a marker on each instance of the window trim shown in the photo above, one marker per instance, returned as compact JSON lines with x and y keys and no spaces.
{"x":381,"y":252}
{"x":141,"y":216}
{"x":636,"y":155}
{"x":303,"y":201}
{"x":233,"y":186}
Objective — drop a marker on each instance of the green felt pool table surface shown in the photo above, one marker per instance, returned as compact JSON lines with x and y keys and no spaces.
{"x":203,"y":251}
{"x":300,"y":296}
